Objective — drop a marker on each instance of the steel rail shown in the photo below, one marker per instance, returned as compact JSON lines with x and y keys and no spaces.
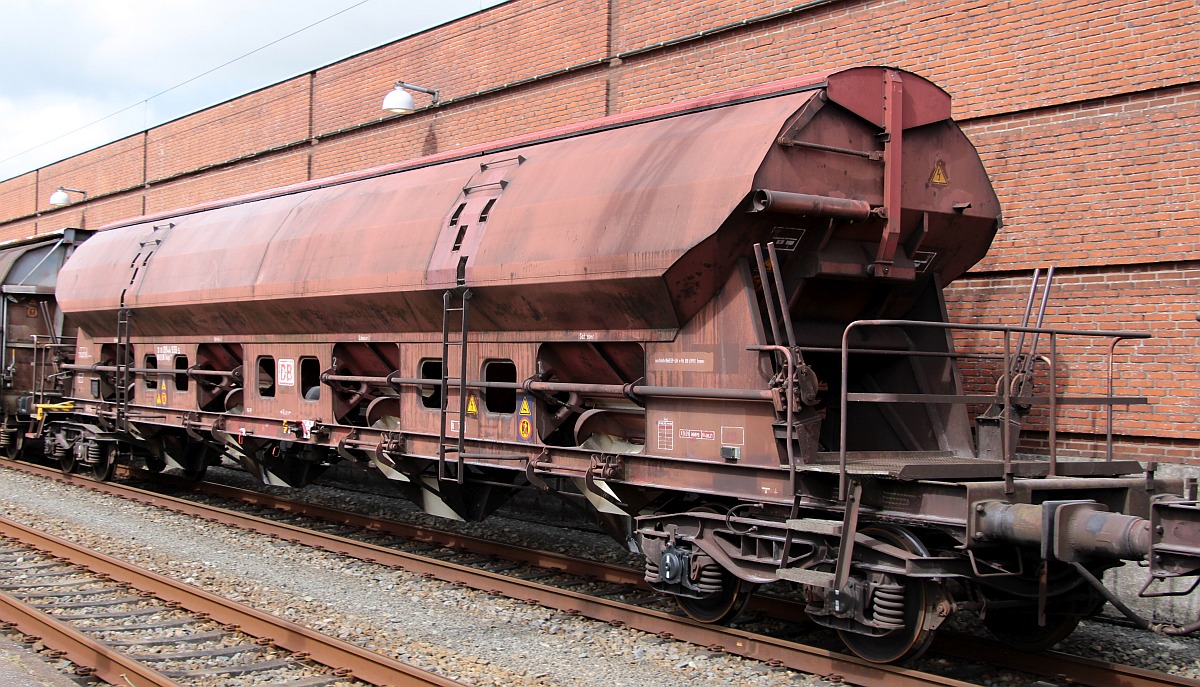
{"x":360,"y":663}
{"x":1079,"y":670}
{"x":807,"y":659}
{"x":606,"y":572}
{"x":95,"y":658}
{"x":549,"y":560}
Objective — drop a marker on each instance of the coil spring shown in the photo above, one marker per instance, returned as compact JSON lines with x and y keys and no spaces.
{"x":888,"y":606}
{"x":652,"y":571}
{"x":6,"y":437}
{"x":93,"y":452}
{"x":712,"y":579}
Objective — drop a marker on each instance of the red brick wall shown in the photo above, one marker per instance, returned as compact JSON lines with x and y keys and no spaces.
{"x":101,"y":171}
{"x":254,"y":175}
{"x":18,"y":196}
{"x":1109,"y":181}
{"x":20,"y":229}
{"x":534,"y":107}
{"x":1160,"y":300}
{"x":510,"y":43}
{"x":263,"y":120}
{"x":1087,"y":115}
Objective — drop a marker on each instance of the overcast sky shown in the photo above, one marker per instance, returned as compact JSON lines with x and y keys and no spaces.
{"x":65,"y":64}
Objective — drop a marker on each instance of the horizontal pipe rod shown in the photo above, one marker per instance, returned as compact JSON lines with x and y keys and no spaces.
{"x":615,"y":390}
{"x":765,"y":200}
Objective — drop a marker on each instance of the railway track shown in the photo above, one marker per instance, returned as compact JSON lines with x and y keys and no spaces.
{"x":626,"y":603}
{"x":126,"y":625}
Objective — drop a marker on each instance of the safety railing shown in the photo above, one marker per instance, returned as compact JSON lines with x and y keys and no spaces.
{"x":1005,"y":394}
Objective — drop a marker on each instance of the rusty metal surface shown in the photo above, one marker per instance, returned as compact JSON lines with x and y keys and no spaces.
{"x":107,"y":664}
{"x":636,"y":197}
{"x":631,"y":232}
{"x":364,"y":665}
{"x":634,"y":215}
{"x":800,"y":657}
{"x":1078,"y":670}
{"x":912,"y":465}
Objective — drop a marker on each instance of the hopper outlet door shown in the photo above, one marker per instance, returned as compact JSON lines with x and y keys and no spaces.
{"x":463,"y":228}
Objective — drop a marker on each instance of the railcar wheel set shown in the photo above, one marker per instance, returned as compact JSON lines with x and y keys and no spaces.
{"x":719,"y":321}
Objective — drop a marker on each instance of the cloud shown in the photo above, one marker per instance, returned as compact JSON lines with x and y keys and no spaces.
{"x":40,"y":129}
{"x":68,"y":63}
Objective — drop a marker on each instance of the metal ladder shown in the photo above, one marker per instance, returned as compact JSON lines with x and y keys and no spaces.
{"x":124,"y":362}
{"x":788,"y":358}
{"x":138,"y":266}
{"x":457,"y":445}
{"x":789,"y":362}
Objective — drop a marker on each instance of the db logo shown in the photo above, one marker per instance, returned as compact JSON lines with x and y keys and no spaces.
{"x":285,"y":372}
{"x":525,"y":429}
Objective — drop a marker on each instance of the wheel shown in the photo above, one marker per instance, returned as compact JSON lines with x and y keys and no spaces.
{"x":721,"y":607}
{"x":105,"y":462}
{"x":14,"y":448}
{"x":919,"y":602}
{"x":724,"y":605}
{"x":68,"y":458}
{"x":1017,"y":626}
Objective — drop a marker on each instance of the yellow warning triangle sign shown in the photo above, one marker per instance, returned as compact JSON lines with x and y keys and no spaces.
{"x":471,"y":407}
{"x":525,"y":409}
{"x":939,"y":174}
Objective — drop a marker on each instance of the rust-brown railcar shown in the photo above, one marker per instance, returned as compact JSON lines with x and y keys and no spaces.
{"x":719,"y":321}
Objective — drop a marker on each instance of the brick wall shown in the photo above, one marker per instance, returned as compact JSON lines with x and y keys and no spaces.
{"x":1113,"y":180}
{"x":1087,"y":115}
{"x":261,"y":121}
{"x":1156,"y":299}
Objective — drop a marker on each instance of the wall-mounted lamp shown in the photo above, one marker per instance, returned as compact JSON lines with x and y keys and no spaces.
{"x":60,"y":196}
{"x":400,"y":101}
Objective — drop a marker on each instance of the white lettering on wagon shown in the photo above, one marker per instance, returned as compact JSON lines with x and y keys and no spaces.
{"x":666,"y":435}
{"x":166,"y":353}
{"x":691,"y":361}
{"x":701,"y":434}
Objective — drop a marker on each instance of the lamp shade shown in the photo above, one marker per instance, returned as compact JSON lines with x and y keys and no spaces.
{"x":60,"y":197}
{"x":399,"y":101}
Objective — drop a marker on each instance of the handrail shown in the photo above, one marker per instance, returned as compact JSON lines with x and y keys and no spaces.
{"x":1006,"y":394}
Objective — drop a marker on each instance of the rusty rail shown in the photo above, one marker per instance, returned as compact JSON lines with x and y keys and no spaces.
{"x":96,"y":659}
{"x":848,"y":669}
{"x":361,"y":664}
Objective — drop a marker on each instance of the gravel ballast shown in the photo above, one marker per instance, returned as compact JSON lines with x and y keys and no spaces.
{"x":461,"y":633}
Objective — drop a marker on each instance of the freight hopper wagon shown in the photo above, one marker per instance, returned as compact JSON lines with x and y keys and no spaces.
{"x":719,"y":322}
